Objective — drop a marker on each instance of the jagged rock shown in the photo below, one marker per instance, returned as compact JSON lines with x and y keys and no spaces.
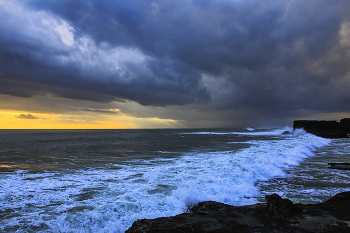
{"x":278,"y":205}
{"x":287,"y":133}
{"x":277,"y":215}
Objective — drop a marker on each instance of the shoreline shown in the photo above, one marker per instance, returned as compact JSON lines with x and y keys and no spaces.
{"x":276,"y":215}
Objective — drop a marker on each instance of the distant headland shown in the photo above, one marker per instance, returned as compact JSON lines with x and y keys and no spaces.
{"x":326,"y":129}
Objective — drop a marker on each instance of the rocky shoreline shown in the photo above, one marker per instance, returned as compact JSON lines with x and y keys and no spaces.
{"x":276,"y":215}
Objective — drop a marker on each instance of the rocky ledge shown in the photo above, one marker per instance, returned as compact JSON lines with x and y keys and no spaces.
{"x":277,"y":215}
{"x":326,"y":129}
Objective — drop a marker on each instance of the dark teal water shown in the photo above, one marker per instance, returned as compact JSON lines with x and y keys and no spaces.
{"x":37,"y":150}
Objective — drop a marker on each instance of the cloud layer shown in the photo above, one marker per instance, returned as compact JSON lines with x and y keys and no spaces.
{"x":272,"y":58}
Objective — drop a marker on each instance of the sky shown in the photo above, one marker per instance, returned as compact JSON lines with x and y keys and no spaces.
{"x":90,"y":64}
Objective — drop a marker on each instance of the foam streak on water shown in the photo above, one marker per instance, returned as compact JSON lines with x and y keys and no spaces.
{"x":109,"y":198}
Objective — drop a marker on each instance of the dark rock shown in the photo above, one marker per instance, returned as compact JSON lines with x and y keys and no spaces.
{"x":287,"y":133}
{"x":345,"y":124}
{"x":341,"y":166}
{"x":277,"y":215}
{"x":340,"y":198}
{"x":326,"y":129}
{"x":278,"y":205}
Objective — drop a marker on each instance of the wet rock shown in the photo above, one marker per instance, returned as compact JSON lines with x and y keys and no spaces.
{"x":278,"y":205}
{"x":341,"y":166}
{"x":287,"y":133}
{"x":277,"y":215}
{"x":340,"y":198}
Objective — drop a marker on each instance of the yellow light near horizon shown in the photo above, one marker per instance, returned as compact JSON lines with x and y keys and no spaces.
{"x":28,"y":120}
{"x":17,"y":120}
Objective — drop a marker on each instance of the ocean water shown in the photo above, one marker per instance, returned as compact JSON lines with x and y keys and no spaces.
{"x":104,"y":180}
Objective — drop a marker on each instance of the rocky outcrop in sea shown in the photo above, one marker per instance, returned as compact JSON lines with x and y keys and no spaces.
{"x":326,"y":129}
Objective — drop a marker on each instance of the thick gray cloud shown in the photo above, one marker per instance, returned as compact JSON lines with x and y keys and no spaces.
{"x":272,"y":57}
{"x":28,"y":52}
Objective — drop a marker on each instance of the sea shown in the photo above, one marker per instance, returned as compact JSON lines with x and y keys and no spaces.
{"x":104,"y":180}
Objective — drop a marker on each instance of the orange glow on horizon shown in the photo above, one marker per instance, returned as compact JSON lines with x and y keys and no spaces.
{"x":28,"y":120}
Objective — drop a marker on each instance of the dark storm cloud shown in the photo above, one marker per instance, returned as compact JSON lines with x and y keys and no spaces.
{"x":26,"y":54}
{"x":26,"y":89}
{"x":271,"y":56}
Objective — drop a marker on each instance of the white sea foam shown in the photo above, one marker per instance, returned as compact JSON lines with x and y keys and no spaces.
{"x":252,"y":132}
{"x":206,"y":133}
{"x":262,"y":132}
{"x":102,"y":200}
